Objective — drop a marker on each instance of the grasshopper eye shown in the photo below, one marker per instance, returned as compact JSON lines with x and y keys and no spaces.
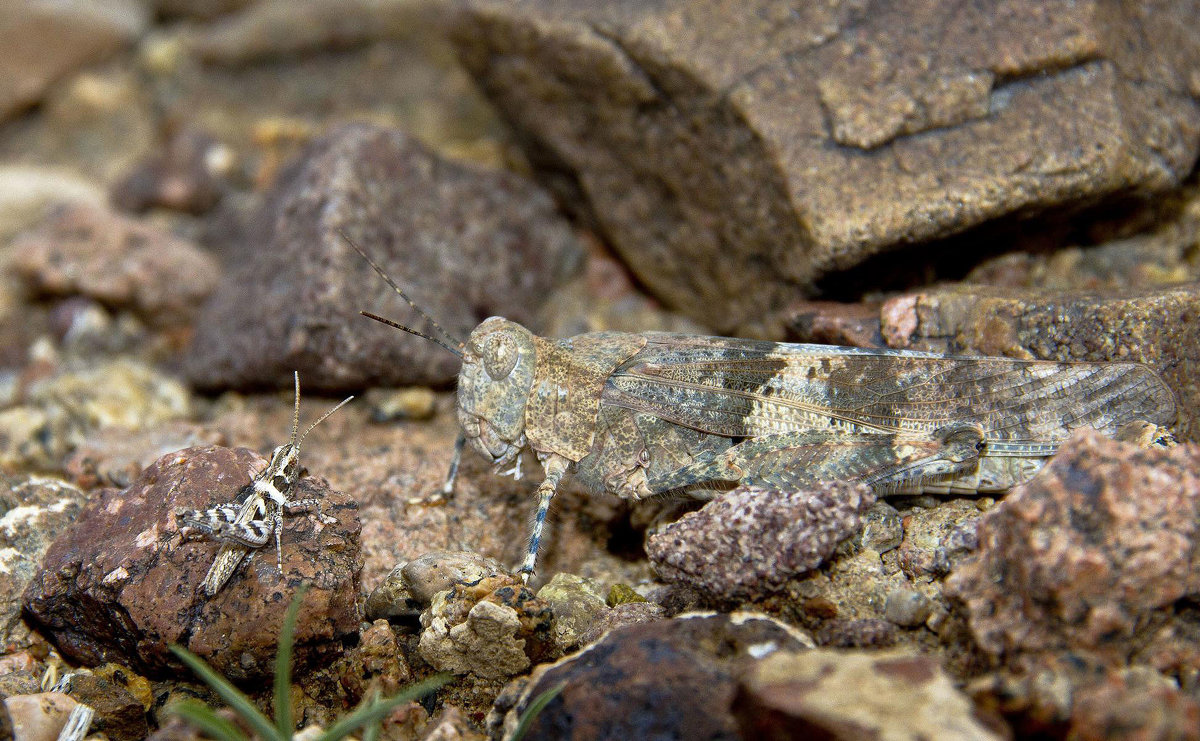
{"x":500,"y":356}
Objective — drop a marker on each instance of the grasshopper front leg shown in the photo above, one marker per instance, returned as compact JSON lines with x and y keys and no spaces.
{"x":555,"y":467}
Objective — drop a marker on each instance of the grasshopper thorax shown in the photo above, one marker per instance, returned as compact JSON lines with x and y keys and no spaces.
{"x":499,"y":360}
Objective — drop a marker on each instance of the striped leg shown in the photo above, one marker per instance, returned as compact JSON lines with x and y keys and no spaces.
{"x":448,"y":487}
{"x":555,"y":467}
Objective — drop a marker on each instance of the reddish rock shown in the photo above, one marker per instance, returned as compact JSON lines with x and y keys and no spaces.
{"x":121,"y":585}
{"x":1089,"y":555}
{"x":117,"y":261}
{"x":736,"y":152}
{"x":666,"y":679}
{"x":750,"y":541}
{"x":466,"y":243}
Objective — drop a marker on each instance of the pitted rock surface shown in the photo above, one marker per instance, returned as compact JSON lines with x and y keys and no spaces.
{"x":750,"y":541}
{"x":1090,"y":555}
{"x":1160,"y":328}
{"x":465,"y":244}
{"x":666,"y":679}
{"x":493,"y":627}
{"x":120,"y":585}
{"x":734,"y":153}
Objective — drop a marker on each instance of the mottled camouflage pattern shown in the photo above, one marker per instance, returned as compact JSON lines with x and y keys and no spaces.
{"x":638,"y":415}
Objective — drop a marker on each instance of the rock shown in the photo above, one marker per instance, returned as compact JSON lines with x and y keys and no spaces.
{"x":117,"y":261}
{"x":396,"y":405}
{"x":270,"y":29}
{"x":119,"y":715}
{"x":120,"y":585}
{"x":856,"y":633}
{"x":451,"y":725}
{"x":750,"y":541}
{"x":854,"y":695}
{"x":1089,"y":555}
{"x":411,"y":586}
{"x":39,"y":717}
{"x":63,"y":408}
{"x":882,"y":530}
{"x":666,"y":679}
{"x":33,"y":512}
{"x":907,"y":608}
{"x":29,"y":194}
{"x":621,"y":594}
{"x":468,"y":243}
{"x":620,"y":615}
{"x":576,"y":604}
{"x":936,"y":539}
{"x":45,"y":40}
{"x":1156,"y":327}
{"x":186,"y":176}
{"x":495,"y":627}
{"x":832,"y":323}
{"x":734,"y":154}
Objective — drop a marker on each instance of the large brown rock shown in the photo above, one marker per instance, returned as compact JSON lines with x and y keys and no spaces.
{"x":1161,"y":328}
{"x":735,"y":152}
{"x":120,"y":585}
{"x":1089,"y":556}
{"x":467,"y":244}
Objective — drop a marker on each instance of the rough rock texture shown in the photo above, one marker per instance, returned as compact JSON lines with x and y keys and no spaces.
{"x":1072,"y":696}
{"x":411,"y":586}
{"x":854,"y":695}
{"x":1088,"y":556}
{"x":1161,"y":328}
{"x":120,"y":585}
{"x":618,"y":616}
{"x":725,"y":149}
{"x":466,"y":243}
{"x":119,"y":715}
{"x":667,"y":679}
{"x":576,"y":604}
{"x":750,"y":541}
{"x":43,"y":40}
{"x":491,"y":628}
{"x":118,"y":261}
{"x":33,"y":511}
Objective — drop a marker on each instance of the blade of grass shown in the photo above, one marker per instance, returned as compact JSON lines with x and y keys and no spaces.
{"x":231,"y":695}
{"x":283,"y":667}
{"x":378,"y":710}
{"x":534,"y":708}
{"x":204,"y":718}
{"x":372,"y":730}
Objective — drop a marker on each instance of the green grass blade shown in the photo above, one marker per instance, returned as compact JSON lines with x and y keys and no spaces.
{"x":378,"y":710}
{"x":283,"y":667}
{"x":534,"y":708}
{"x":372,"y":731}
{"x":231,"y":695}
{"x":205,"y":718}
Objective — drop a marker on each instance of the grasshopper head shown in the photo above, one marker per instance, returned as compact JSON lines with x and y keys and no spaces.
{"x":493,"y":387}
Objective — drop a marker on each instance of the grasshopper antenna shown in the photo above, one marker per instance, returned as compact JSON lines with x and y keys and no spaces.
{"x":323,"y":417}
{"x":457,"y":345}
{"x":296,"y":412}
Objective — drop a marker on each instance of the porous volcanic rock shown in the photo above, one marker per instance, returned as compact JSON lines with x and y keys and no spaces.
{"x":1088,"y":556}
{"x":750,"y":541}
{"x":1159,"y":327}
{"x":733,"y":153}
{"x":121,"y":584}
{"x":666,"y":679}
{"x":467,"y":244}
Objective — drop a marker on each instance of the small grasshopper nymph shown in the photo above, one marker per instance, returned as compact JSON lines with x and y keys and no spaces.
{"x":637,"y":415}
{"x":249,"y":522}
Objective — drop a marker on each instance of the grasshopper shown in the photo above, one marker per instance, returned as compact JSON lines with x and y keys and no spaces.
{"x":639,"y":415}
{"x":249,"y":522}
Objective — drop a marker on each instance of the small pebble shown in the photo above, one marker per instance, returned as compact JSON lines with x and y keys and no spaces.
{"x":907,"y":608}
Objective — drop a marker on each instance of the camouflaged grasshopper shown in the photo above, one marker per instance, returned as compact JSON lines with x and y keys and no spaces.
{"x":638,"y":415}
{"x":249,"y":522}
